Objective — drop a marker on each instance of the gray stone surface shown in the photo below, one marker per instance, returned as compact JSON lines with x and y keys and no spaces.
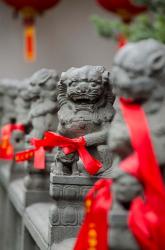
{"x":5,"y":173}
{"x":125,"y":188}
{"x":67,"y":244}
{"x":67,"y":212}
{"x":23,"y":102}
{"x":36,"y":220}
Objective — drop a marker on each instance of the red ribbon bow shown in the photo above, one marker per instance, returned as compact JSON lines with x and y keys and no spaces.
{"x":6,"y":148}
{"x":69,"y":146}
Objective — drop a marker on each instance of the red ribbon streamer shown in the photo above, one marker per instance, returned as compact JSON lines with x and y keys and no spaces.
{"x":148,"y":173}
{"x":146,"y":217}
{"x":6,"y":148}
{"x":142,"y":221}
{"x":39,"y":158}
{"x":93,"y":233}
{"x":141,"y":141}
{"x":37,"y":153}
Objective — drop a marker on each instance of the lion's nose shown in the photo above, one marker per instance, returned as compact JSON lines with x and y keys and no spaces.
{"x":83,"y":87}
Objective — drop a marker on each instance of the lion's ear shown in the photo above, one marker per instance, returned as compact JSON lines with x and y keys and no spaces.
{"x":157,"y":62}
{"x":106,"y":76}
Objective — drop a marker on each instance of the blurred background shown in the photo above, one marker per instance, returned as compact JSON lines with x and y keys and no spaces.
{"x":66,"y":37}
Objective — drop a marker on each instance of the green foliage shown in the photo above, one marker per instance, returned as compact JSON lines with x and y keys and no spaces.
{"x":154,"y":5}
{"x":141,"y":28}
{"x":149,"y":25}
{"x":144,"y":26}
{"x":107,"y":29}
{"x":159,"y":28}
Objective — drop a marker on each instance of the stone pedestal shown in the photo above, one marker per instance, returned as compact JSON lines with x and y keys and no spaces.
{"x":24,"y":192}
{"x":9,"y":172}
{"x":66,"y":214}
{"x":55,"y":224}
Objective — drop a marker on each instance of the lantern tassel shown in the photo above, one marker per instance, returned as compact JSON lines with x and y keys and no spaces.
{"x":30,"y":41}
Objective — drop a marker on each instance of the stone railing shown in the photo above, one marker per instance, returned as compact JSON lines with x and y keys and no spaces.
{"x":43,"y":209}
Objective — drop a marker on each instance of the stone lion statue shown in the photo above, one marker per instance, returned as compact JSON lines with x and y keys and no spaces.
{"x":44,"y":107}
{"x":86,"y":109}
{"x":10,"y":93}
{"x":23,"y":102}
{"x":139,"y":74}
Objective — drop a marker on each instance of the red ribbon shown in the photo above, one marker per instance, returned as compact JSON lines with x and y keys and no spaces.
{"x":141,"y":141}
{"x":93,"y":233}
{"x":37,"y":153}
{"x":6,"y":148}
{"x":143,"y":221}
{"x":69,"y":146}
{"x":146,"y":217}
{"x":147,"y":171}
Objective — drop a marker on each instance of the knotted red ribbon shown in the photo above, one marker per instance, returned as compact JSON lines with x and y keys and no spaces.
{"x":6,"y":148}
{"x":146,"y":217}
{"x":68,"y":145}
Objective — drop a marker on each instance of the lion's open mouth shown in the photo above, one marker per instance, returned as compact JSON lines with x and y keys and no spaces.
{"x":35,"y":97}
{"x":83,"y":99}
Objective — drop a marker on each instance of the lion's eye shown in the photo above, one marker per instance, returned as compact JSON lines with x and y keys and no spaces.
{"x":72,"y":84}
{"x":93,"y":84}
{"x":41,"y":84}
{"x":32,"y":84}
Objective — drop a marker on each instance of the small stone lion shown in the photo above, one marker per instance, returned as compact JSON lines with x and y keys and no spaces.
{"x":23,"y":102}
{"x":139,"y":74}
{"x":86,"y":109}
{"x":44,"y":106}
{"x":10,"y":93}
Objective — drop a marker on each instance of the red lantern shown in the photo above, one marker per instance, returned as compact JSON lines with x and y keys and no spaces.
{"x":29,"y":9}
{"x":126,"y":9}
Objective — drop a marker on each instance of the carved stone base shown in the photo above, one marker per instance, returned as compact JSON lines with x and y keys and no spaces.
{"x":66,"y":244}
{"x":66,"y":214}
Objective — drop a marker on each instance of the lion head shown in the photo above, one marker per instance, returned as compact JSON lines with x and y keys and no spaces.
{"x":43,"y":84}
{"x":87,"y":85}
{"x":139,"y":68}
{"x":10,"y":88}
